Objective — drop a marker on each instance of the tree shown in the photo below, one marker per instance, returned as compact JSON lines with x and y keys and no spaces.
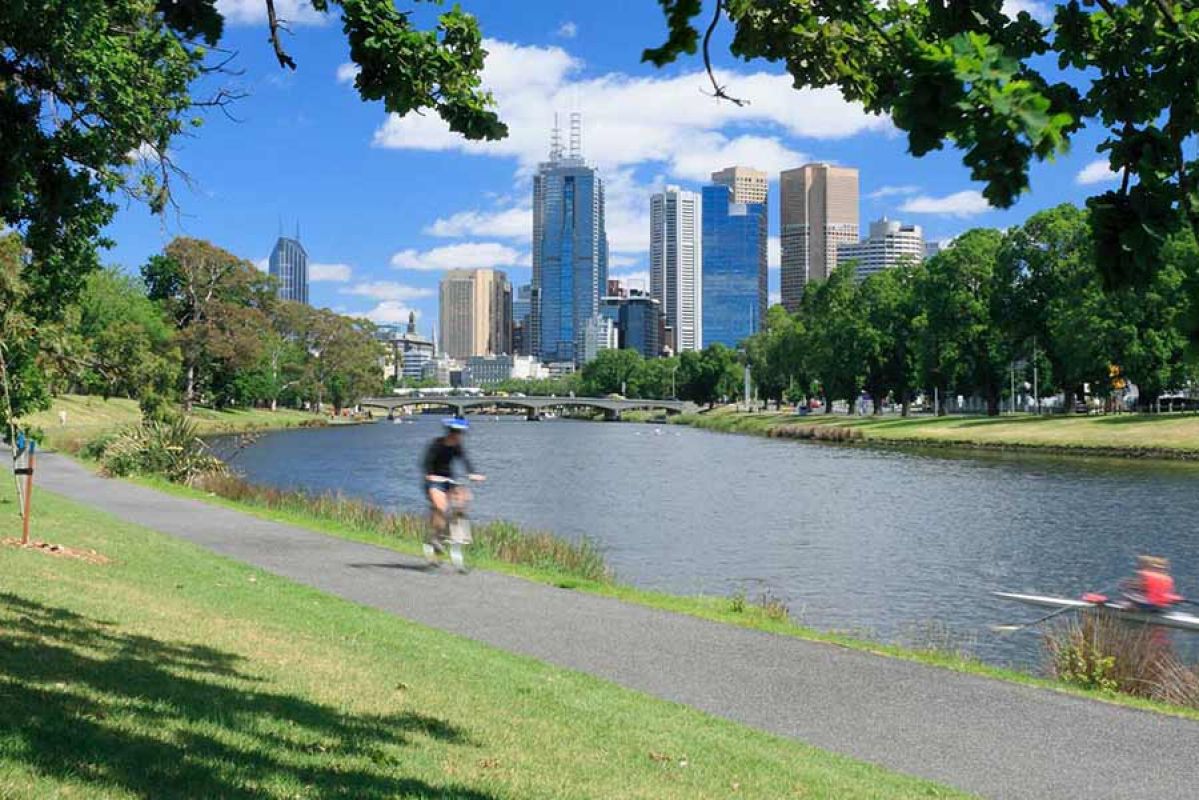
{"x":888,"y":304}
{"x":218,"y":303}
{"x":961,"y":344}
{"x":776,"y":354}
{"x":611,"y":372}
{"x":1061,"y":314}
{"x":838,"y":343}
{"x":708,"y":375}
{"x":1006,"y":89}
{"x":125,"y":345}
{"x":335,"y":358}
{"x":1148,"y":340}
{"x":93,"y":92}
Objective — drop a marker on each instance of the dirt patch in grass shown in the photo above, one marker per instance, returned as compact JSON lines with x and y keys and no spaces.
{"x":61,"y":551}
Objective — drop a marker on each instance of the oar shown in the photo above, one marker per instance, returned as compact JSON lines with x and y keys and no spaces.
{"x":1049,"y":616}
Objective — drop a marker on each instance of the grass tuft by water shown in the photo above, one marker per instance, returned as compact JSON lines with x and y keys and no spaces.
{"x":497,"y":541}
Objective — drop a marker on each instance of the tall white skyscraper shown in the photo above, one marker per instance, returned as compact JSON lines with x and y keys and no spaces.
{"x":675,"y":259}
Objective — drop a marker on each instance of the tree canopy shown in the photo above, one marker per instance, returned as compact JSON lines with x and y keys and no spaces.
{"x":1006,"y":89}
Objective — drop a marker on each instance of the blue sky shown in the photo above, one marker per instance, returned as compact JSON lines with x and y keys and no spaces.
{"x":384,"y":205}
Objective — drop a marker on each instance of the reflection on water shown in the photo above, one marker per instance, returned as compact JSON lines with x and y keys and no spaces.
{"x":894,"y":543}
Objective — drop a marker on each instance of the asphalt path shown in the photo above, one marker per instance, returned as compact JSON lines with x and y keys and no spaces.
{"x":986,"y":736}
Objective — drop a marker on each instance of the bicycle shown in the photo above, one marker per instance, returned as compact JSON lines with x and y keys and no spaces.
{"x":457,"y":532}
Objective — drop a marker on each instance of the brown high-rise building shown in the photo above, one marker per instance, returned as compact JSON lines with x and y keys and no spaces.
{"x":475,"y":313}
{"x":749,"y":185}
{"x":818,"y":210}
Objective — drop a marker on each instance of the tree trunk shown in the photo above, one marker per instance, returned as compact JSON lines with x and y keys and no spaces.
{"x":905,"y":407}
{"x":189,"y":393}
{"x":992,"y":402}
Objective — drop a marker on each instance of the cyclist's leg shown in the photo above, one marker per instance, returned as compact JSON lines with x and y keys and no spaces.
{"x":438,"y":519}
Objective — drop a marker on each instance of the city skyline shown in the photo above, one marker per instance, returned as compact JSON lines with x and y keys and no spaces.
{"x":388,"y":206}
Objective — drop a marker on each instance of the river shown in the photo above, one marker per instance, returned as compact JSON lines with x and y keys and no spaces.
{"x":903,"y":546}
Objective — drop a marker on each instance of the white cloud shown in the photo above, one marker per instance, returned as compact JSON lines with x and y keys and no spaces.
{"x":1098,"y":171}
{"x":774,"y":253}
{"x":633,"y":280}
{"x":892,"y":191}
{"x":263,"y":264}
{"x":347,"y":72}
{"x":617,"y":260}
{"x":567,"y":30}
{"x":469,"y":255}
{"x":630,"y":121}
{"x":1037,"y":10}
{"x":332,"y":273}
{"x":388,"y":290}
{"x":144,"y":154}
{"x":959,"y":204}
{"x":711,"y":152}
{"x":390,"y":312}
{"x":509,"y":223}
{"x":250,"y":12}
{"x":775,"y":298}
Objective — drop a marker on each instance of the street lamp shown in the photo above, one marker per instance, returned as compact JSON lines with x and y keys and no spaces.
{"x":674,"y":392}
{"x":315,"y":352}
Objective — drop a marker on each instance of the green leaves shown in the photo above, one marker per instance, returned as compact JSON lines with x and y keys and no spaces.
{"x":971,"y":76}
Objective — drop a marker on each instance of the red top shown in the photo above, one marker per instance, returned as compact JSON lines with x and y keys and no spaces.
{"x":1158,"y":588}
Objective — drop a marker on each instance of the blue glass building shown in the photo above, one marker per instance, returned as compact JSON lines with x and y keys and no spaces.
{"x":734,"y":267}
{"x":639,"y":321}
{"x":289,"y":266}
{"x":570,"y":253}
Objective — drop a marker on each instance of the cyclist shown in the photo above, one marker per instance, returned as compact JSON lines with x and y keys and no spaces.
{"x":440,"y":486}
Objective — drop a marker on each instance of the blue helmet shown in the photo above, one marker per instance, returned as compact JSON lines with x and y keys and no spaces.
{"x":456,"y":424}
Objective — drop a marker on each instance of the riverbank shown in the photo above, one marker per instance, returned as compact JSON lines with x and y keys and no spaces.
{"x":88,"y":417}
{"x":1165,"y":436}
{"x":154,"y":667}
{"x":546,"y":559}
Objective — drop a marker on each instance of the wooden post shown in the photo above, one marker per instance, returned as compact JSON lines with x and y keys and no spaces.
{"x":28,"y":498}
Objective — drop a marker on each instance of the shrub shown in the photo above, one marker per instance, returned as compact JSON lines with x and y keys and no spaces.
{"x":1100,"y":651}
{"x":171,"y":449}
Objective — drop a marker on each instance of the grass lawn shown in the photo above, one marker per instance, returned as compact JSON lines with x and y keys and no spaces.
{"x":88,"y":417}
{"x":171,"y":672}
{"x":1149,"y":434}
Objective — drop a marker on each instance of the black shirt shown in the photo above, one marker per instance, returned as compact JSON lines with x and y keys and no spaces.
{"x":439,"y":458}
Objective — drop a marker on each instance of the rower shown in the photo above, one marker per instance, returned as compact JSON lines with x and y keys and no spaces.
{"x":1153,"y":588}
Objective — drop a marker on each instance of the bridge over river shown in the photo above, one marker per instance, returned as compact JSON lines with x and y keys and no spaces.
{"x":535,"y":407}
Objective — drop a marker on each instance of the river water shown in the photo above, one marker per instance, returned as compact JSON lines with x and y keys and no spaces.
{"x":902,"y":546}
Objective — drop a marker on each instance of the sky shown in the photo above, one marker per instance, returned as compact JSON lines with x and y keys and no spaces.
{"x":384,"y":205}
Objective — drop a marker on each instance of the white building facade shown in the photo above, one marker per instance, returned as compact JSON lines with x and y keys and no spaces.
{"x":890,"y":243}
{"x":599,"y":334}
{"x":675,"y":264}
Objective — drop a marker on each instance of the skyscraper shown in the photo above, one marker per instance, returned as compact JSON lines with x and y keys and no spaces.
{"x":817,"y":212}
{"x":734,"y":267}
{"x":570,"y":249}
{"x":522,"y":311}
{"x":475,"y":313}
{"x":289,"y":266}
{"x":749,"y":185}
{"x":889,"y":243}
{"x":675,"y":260}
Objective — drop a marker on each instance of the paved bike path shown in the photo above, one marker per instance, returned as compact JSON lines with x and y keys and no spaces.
{"x":997,"y":739}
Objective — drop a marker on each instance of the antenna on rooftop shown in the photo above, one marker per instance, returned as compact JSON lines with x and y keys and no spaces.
{"x":556,"y":141}
{"x":576,"y":134}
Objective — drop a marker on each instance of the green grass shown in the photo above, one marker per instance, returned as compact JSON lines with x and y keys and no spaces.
{"x":754,"y":613}
{"x":1153,"y":435}
{"x":171,"y":672}
{"x":88,"y":417}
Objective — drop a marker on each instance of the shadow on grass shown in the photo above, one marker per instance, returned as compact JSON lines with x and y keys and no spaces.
{"x":84,"y":702}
